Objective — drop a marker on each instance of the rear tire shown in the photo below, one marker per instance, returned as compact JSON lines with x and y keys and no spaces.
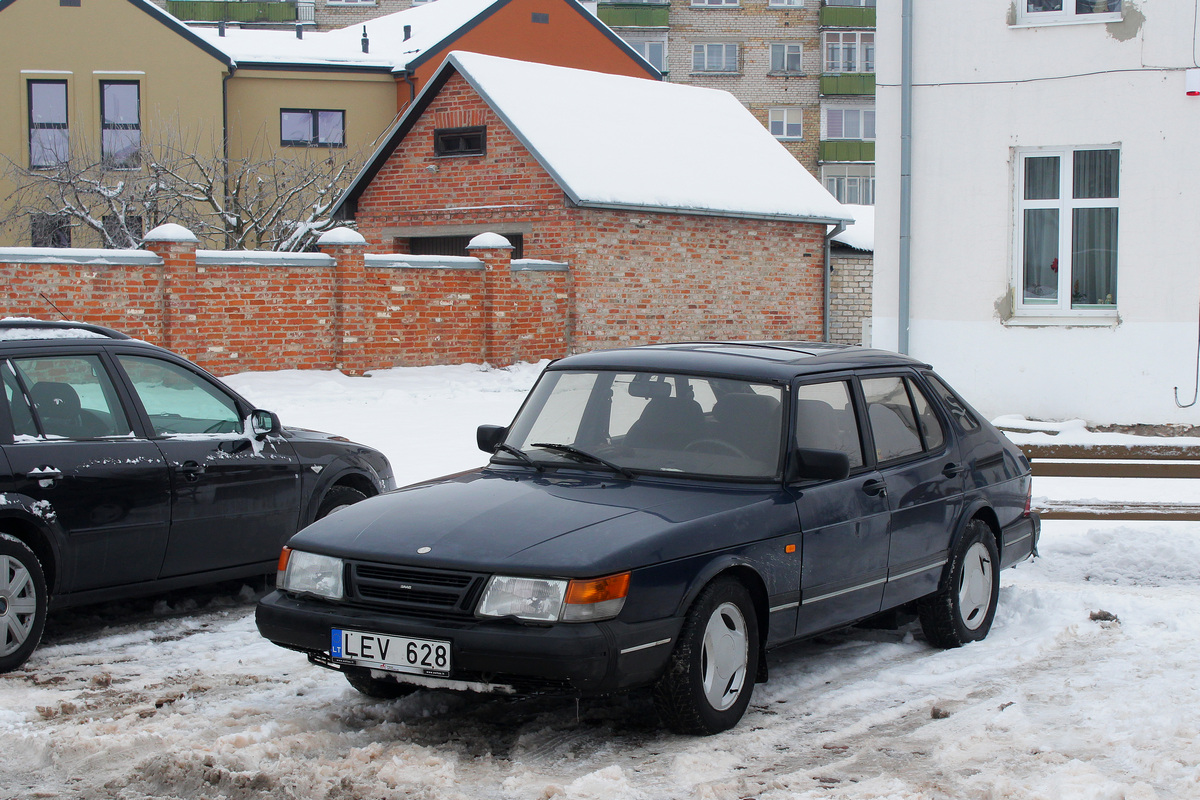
{"x":963,"y":609}
{"x":378,"y":688}
{"x":711,"y":674}
{"x":337,"y":498}
{"x":23,"y":601}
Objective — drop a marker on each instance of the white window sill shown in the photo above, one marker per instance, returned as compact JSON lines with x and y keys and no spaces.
{"x":715,"y":74}
{"x":1087,"y":19}
{"x":789,"y":138}
{"x":1104,"y":319}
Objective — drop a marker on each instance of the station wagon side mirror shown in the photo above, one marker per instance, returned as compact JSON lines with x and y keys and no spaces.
{"x":264,"y":423}
{"x":811,"y":464}
{"x":489,"y":437}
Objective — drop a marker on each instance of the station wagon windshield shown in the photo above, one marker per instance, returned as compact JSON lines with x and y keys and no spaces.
{"x":653,"y":423}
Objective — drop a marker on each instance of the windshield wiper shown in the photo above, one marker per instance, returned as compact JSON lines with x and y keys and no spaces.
{"x":586,"y":456}
{"x":521,"y":454}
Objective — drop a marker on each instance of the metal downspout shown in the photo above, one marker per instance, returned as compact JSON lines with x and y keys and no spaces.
{"x":225,"y":144}
{"x":841,"y":226}
{"x":906,"y":90}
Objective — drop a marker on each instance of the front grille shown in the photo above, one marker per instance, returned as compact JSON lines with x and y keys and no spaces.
{"x":430,"y":593}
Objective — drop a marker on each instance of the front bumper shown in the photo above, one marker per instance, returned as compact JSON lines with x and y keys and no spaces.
{"x":572,"y":658}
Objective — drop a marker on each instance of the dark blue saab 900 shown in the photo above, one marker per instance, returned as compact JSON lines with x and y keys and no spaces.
{"x":660,"y":516}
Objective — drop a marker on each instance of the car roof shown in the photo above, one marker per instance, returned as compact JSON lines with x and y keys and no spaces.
{"x":23,"y":333}
{"x":763,"y":360}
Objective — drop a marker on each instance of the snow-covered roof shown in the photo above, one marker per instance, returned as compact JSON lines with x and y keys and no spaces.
{"x":860,"y":234}
{"x":619,"y":142}
{"x":430,"y":27}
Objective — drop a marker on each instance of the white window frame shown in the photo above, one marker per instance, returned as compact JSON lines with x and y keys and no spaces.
{"x":787,"y":49}
{"x":1041,"y":311}
{"x":1068,"y":14}
{"x":643,"y":47}
{"x":703,"y":48}
{"x":862,"y":64}
{"x":851,"y":3}
{"x":715,"y":3}
{"x":788,"y":3}
{"x":786,"y":116}
{"x":863,"y":111}
{"x":858,"y":189}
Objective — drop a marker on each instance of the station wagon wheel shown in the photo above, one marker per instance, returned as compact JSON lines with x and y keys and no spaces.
{"x":22,"y":602}
{"x":337,"y":498}
{"x":378,"y":688}
{"x":962,"y":610}
{"x":710,"y":676}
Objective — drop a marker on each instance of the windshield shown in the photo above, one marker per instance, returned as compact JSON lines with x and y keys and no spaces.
{"x":652,"y":422}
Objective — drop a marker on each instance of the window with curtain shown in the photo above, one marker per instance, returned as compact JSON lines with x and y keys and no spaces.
{"x":786,"y":123}
{"x":849,"y":51}
{"x":787,"y":57}
{"x":121,"y":123}
{"x":714,"y":58}
{"x":1068,"y":224}
{"x":1039,"y":12}
{"x":845,"y":122}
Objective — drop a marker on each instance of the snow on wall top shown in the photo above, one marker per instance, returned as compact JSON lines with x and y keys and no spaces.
{"x":610,"y":140}
{"x":861,"y":233}
{"x":429,"y":24}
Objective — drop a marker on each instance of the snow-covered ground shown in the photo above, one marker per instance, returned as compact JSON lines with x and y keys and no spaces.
{"x":1088,"y":686}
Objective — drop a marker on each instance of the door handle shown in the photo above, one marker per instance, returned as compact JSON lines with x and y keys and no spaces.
{"x":953,"y":470}
{"x":875,"y":487}
{"x":191,"y":470}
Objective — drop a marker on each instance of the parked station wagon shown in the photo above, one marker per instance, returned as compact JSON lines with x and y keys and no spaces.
{"x":659,"y":517}
{"x":126,"y":470}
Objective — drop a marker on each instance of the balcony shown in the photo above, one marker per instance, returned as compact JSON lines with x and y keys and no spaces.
{"x":847,"y":17}
{"x":846,"y":150}
{"x":232,"y":10}
{"x":862,"y":83}
{"x":634,"y":15}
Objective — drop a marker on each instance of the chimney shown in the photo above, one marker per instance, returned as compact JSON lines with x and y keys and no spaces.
{"x":366,"y":43}
{"x":407,"y":32}
{"x":299,"y":31}
{"x":221,"y":28}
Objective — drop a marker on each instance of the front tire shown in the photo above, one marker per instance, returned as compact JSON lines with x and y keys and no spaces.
{"x":963,"y":609}
{"x":23,"y":599}
{"x":338,"y":498}
{"x":711,"y":674}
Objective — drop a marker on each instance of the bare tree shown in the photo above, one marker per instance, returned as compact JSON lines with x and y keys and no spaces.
{"x":268,"y":201}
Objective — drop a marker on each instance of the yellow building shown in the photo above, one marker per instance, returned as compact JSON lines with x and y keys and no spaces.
{"x":120,"y":117}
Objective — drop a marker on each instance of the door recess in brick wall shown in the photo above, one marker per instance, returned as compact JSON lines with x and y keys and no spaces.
{"x":452,"y":245}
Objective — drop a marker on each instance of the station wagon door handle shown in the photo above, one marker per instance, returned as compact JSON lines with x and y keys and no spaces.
{"x":952,"y":470}
{"x":191,"y":470}
{"x":875,"y":487}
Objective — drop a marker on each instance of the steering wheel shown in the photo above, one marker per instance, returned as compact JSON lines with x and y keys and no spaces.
{"x":714,"y":446}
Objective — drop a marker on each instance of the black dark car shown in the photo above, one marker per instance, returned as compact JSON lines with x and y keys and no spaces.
{"x":660,"y":516}
{"x":126,"y":470}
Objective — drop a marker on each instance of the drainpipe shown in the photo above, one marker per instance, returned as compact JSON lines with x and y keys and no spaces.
{"x":906,"y":89}
{"x":225,"y":140}
{"x":841,"y":226}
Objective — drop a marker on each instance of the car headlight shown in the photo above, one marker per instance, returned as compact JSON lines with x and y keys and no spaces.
{"x":309,"y":573}
{"x":549,"y":600}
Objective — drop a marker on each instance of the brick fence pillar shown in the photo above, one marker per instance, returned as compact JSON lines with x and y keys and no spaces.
{"x":499,"y":298}
{"x":351,"y":299}
{"x":176,"y":246}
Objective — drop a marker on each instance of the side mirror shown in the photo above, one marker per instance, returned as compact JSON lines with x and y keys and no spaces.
{"x":811,"y":464}
{"x":489,"y":437}
{"x":264,"y":423}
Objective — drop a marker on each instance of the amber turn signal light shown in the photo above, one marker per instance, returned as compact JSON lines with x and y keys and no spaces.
{"x":598,"y":590}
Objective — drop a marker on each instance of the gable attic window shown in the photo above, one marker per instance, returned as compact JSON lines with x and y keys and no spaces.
{"x":460,"y":141}
{"x":1048,"y":12}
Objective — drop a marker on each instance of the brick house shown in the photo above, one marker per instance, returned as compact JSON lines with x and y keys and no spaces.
{"x":613,"y":177}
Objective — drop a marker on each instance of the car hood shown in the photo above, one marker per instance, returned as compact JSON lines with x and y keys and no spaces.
{"x":572,"y":526}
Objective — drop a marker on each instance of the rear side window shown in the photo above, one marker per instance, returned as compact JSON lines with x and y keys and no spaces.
{"x":901,"y":418}
{"x":959,"y":412}
{"x":825,"y":420}
{"x":73,"y":397}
